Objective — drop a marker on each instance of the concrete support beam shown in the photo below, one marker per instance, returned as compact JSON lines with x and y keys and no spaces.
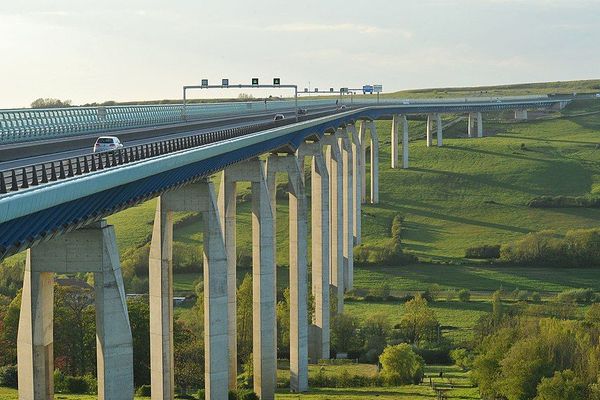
{"x":319,"y":332}
{"x":263,"y":274}
{"x":471,"y":125}
{"x":479,"y":125}
{"x":362,"y":136}
{"x":90,"y":249}
{"x":521,"y":115}
{"x":438,"y":125}
{"x":334,"y":162}
{"x":289,"y":165}
{"x":405,"y":147}
{"x":35,"y":358}
{"x":374,"y":163}
{"x":228,"y":207}
{"x":394,"y":140}
{"x":347,"y":208}
{"x":357,"y":168}
{"x":429,"y":129}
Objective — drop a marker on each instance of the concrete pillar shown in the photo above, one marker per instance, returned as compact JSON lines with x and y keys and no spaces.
{"x":404,"y":142}
{"x":160,"y":278}
{"x":319,"y":332}
{"x":394,"y":140}
{"x":471,"y":124}
{"x":297,"y":258}
{"x":200,"y":198}
{"x":114,"y":344}
{"x":479,"y":125}
{"x":438,"y":124}
{"x":374,"y":163}
{"x":348,"y":209}
{"x":357,"y":167}
{"x":334,"y":162}
{"x":228,"y":207}
{"x":35,"y":358}
{"x":429,"y":129}
{"x":521,"y":115}
{"x":362,"y":136}
{"x":90,"y":249}
{"x":263,"y":273}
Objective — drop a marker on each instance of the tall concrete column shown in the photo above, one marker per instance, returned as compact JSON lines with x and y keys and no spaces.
{"x":90,"y":249}
{"x":394,"y":140}
{"x":429,"y":129}
{"x":35,"y":357}
{"x":404,"y":142}
{"x":471,"y":124}
{"x":347,"y":208}
{"x":114,"y":343}
{"x":228,"y":207}
{"x":374,"y":163}
{"x":263,"y":274}
{"x":297,"y":260}
{"x":333,"y":159}
{"x":362,"y":136}
{"x":479,"y":125}
{"x":357,"y":167}
{"x":160,"y":276}
{"x":438,"y":125}
{"x":319,"y":343}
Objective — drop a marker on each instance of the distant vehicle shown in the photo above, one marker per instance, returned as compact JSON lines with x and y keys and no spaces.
{"x":342,"y":107}
{"x":107,"y":143}
{"x":597,"y":94}
{"x":405,"y":102}
{"x":302,"y":111}
{"x":278,"y":117}
{"x":498,"y":101}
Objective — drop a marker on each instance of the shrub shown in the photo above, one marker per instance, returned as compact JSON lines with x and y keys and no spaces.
{"x":523,"y":295}
{"x":80,"y":384}
{"x":564,"y":202}
{"x":144,"y":391}
{"x":464,"y":295}
{"x":401,"y":365}
{"x":487,"y":251}
{"x":201,"y":394}
{"x":580,"y":296}
{"x":8,"y":376}
{"x":462,"y":358}
{"x":536,"y":297}
{"x":564,"y":385}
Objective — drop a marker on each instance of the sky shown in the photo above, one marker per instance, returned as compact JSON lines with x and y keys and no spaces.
{"x":123,"y":50}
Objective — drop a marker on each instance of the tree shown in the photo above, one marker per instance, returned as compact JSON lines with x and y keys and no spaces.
{"x":375,"y":331}
{"x":189,"y":357}
{"x":464,"y":295}
{"x":139,"y":318}
{"x":344,"y":337}
{"x":418,"y":321}
{"x":283,"y":324}
{"x":244,"y":318}
{"x":401,"y":365}
{"x":562,"y":386}
{"x":50,"y":103}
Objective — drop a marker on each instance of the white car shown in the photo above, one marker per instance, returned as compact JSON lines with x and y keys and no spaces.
{"x":597,"y":94}
{"x":278,"y":117}
{"x":107,"y":143}
{"x":405,"y":102}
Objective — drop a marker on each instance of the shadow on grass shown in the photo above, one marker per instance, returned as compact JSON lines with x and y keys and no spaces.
{"x":463,"y":306}
{"x":547,"y":140}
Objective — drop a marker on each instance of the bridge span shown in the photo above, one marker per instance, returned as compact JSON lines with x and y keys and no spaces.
{"x":54,"y":206}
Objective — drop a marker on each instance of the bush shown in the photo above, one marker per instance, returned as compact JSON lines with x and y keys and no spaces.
{"x":580,"y":296}
{"x":80,"y":384}
{"x":401,"y":365}
{"x":144,"y":391}
{"x":464,"y":295}
{"x":536,"y":297}
{"x":487,"y":251}
{"x":462,"y":358}
{"x":201,"y":395}
{"x":564,"y":202}
{"x":8,"y":376}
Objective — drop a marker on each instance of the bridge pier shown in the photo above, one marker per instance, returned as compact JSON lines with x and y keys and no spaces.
{"x":357,"y":168}
{"x":429,"y":128}
{"x":334,"y":162}
{"x":200,"y":198}
{"x":394,"y":141}
{"x":475,"y":118}
{"x":521,"y":115}
{"x":347,"y":208}
{"x":319,"y":332}
{"x":263,"y":271}
{"x":362,"y":137}
{"x":297,"y":262}
{"x":90,"y":249}
{"x":439,"y":127}
{"x":405,"y":145}
{"x":374,"y":163}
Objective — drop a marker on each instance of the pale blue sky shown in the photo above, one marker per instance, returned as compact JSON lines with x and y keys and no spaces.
{"x":147,"y":49}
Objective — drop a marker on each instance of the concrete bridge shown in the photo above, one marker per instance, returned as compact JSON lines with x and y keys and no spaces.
{"x":55,"y":208}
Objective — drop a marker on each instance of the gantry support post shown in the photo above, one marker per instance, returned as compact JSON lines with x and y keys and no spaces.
{"x":394,"y":140}
{"x":439,"y":127}
{"x":263,"y":274}
{"x":200,"y":198}
{"x":297,"y":260}
{"x":357,"y":168}
{"x":89,"y":249}
{"x":334,"y":162}
{"x":404,"y":142}
{"x":347,"y":208}
{"x":319,"y":343}
{"x":374,"y":163}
